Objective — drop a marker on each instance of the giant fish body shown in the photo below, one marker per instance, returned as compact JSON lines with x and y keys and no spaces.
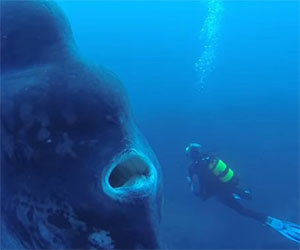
{"x":76,"y":172}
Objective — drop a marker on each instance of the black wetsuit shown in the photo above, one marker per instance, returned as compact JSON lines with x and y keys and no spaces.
{"x":228,"y":193}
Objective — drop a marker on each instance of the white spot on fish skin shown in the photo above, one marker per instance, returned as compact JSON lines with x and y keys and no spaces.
{"x":44,"y":231}
{"x":40,"y":209}
{"x":65,"y":147}
{"x":101,"y":239}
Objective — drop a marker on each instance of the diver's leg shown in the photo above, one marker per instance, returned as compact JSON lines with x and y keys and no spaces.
{"x":234,"y":204}
{"x":238,"y":192}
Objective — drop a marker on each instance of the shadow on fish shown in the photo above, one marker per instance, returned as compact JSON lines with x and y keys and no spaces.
{"x":75,"y":171}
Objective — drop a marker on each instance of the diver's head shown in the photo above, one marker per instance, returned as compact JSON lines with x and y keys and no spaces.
{"x":193,"y":151}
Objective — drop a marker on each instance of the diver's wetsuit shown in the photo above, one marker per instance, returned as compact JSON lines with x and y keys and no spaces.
{"x":228,"y":192}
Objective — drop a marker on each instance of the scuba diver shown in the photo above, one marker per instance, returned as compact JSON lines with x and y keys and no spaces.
{"x":209,"y":176}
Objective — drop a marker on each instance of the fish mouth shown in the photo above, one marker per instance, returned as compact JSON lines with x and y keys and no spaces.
{"x":131,"y":175}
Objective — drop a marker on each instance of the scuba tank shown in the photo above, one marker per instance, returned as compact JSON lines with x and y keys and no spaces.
{"x":220,"y":169}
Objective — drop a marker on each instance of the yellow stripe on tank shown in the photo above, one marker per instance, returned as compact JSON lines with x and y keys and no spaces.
{"x":220,"y":168}
{"x":228,"y":176}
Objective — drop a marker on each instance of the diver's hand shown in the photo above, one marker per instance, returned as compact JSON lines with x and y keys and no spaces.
{"x":189,"y":179}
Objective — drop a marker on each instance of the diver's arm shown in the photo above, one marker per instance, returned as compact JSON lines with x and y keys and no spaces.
{"x":194,"y":185}
{"x":189,"y":179}
{"x":190,"y":183}
{"x":190,"y":176}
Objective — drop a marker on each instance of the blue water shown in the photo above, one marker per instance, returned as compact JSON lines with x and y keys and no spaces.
{"x":247,"y":109}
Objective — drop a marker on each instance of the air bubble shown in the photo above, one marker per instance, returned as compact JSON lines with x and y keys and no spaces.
{"x":209,"y":37}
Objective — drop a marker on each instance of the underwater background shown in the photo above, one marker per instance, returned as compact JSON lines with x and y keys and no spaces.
{"x":221,"y":73}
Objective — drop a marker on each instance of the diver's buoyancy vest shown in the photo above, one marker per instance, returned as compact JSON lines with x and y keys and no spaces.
{"x":221,"y":170}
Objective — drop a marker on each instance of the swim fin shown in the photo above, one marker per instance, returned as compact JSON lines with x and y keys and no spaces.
{"x":288,"y":229}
